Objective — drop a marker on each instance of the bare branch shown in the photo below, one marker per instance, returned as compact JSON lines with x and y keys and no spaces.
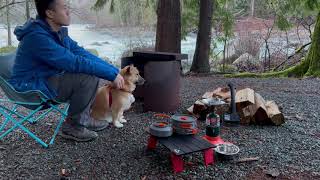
{"x":12,"y":3}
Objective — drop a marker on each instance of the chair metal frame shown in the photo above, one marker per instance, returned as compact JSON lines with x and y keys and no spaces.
{"x":33,"y":102}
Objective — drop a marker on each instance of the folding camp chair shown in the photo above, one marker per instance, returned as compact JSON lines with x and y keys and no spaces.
{"x":34,"y":101}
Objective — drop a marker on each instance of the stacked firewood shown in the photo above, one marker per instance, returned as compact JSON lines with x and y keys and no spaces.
{"x":216,"y":101}
{"x":251,"y":106}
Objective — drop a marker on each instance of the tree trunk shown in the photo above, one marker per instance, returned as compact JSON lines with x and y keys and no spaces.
{"x":8,"y":25}
{"x":252,"y":8}
{"x":314,"y":53}
{"x":274,"y":113}
{"x":168,"y":38}
{"x":224,"y":54}
{"x":27,"y":9}
{"x":200,"y":62}
{"x":310,"y":66}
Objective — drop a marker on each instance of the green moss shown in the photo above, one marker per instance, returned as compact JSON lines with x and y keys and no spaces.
{"x":93,"y":51}
{"x":228,"y":68}
{"x":7,"y":49}
{"x":295,"y":71}
{"x":310,"y":66}
{"x":314,"y":53}
{"x":243,"y":75}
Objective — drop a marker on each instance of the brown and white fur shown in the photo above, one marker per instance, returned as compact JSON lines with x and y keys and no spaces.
{"x":121,"y":98}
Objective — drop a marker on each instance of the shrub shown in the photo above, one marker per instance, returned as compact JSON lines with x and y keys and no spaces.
{"x":247,"y":63}
{"x":247,"y":44}
{"x":137,"y":46}
{"x":228,"y":68}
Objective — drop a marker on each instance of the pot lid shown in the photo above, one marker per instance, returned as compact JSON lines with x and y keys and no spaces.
{"x":183,"y":118}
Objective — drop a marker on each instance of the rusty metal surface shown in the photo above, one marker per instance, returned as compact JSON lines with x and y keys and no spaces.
{"x":161,"y":71}
{"x":159,"y":56}
{"x":138,"y":63}
{"x":161,"y":90}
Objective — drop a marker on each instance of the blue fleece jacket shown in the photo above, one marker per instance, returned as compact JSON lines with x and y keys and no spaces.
{"x":43,"y":53}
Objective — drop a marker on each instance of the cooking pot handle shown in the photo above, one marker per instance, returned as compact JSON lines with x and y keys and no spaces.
{"x":164,"y":116}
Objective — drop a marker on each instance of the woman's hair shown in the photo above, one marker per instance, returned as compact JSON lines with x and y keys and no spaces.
{"x":42,"y":6}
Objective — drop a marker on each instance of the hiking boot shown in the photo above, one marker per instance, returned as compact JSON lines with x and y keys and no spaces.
{"x":80,"y":134}
{"x":96,"y":125}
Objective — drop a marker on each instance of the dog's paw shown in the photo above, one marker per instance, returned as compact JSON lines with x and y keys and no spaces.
{"x":118,"y":124}
{"x":122,"y":120}
{"x":109,"y":119}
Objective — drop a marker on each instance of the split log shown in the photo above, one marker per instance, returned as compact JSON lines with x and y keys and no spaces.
{"x":262,"y":113}
{"x":260,"y":110}
{"x":246,"y":114}
{"x":198,"y":107}
{"x":190,"y":110}
{"x":221,"y":93}
{"x":251,"y":107}
{"x":207,"y":95}
{"x":244,"y":98}
{"x":204,"y":106}
{"x":200,"y":110}
{"x":274,"y":113}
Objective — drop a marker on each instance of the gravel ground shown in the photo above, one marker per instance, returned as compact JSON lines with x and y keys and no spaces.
{"x":290,"y":151}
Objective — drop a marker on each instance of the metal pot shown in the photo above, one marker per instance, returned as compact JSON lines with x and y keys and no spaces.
{"x":226,"y":151}
{"x":184,"y":124}
{"x":181,"y":124}
{"x":161,"y":129}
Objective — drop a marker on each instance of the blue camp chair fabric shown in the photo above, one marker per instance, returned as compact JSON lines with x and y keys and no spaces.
{"x":34,"y":102}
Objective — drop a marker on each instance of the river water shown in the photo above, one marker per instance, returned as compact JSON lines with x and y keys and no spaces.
{"x":110,"y":43}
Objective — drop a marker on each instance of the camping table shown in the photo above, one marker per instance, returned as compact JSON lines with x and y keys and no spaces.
{"x":183,"y":144}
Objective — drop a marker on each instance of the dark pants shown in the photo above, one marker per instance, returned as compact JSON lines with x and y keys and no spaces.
{"x":79,"y":91}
